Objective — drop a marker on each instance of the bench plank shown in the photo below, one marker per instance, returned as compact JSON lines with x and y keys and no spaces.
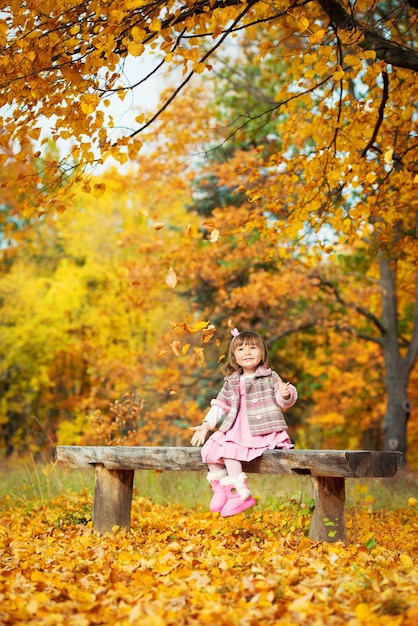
{"x":338,"y":463}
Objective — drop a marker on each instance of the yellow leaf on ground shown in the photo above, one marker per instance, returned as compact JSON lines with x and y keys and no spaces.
{"x":406,"y":561}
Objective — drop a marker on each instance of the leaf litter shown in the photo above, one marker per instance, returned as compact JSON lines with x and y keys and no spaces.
{"x":187,"y":567}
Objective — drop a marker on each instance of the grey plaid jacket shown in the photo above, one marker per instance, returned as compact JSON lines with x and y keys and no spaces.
{"x":263,"y":400}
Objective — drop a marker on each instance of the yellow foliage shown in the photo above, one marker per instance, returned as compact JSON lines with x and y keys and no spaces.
{"x":65,"y":68}
{"x":135,"y":49}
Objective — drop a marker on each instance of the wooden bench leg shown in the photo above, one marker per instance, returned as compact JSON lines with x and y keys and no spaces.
{"x":112,"y":498}
{"x":328,"y":520}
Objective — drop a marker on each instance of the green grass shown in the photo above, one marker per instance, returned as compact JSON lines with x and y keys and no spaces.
{"x":25,"y":480}
{"x":28,"y":481}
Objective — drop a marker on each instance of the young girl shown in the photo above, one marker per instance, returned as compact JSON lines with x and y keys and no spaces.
{"x":250,"y":402}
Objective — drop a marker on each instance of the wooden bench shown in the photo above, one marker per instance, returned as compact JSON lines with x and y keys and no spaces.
{"x":115,"y":466}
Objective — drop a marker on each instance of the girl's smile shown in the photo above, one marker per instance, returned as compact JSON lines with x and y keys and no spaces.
{"x":248,"y":357}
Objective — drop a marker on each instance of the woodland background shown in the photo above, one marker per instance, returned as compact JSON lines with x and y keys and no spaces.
{"x":273,"y":187}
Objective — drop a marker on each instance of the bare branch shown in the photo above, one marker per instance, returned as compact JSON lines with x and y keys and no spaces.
{"x":385,"y":96}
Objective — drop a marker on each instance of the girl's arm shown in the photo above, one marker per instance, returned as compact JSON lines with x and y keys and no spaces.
{"x":212,"y":417}
{"x":285,"y":394}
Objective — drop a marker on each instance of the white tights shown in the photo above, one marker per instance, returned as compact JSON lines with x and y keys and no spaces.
{"x":233,"y":467}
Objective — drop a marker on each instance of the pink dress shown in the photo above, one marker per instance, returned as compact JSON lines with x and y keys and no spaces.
{"x":238,"y":443}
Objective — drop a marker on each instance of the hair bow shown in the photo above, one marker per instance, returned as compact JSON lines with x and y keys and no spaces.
{"x":235,"y":332}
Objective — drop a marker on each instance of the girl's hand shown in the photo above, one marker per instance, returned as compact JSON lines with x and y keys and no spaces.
{"x":284,"y":389}
{"x":200,"y":433}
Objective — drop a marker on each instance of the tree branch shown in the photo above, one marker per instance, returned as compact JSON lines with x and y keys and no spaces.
{"x":352,"y":331}
{"x":385,"y":96}
{"x":364,"y":312}
{"x":189,"y":76}
{"x":385,"y":49}
{"x":290,"y":331}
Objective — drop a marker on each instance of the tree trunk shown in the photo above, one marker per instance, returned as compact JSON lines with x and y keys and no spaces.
{"x":396,"y":368}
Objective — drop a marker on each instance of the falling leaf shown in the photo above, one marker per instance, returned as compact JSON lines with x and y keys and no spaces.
{"x":199,"y":354}
{"x":208,"y":333}
{"x":158,"y":225}
{"x":214,"y":235}
{"x":209,"y":223}
{"x":175,"y":346}
{"x":171,"y":279}
{"x":195,"y":328}
{"x":191,"y":231}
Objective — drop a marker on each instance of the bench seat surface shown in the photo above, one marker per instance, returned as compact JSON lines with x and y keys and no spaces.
{"x":337,"y":463}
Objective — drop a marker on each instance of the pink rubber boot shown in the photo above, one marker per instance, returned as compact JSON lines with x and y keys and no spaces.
{"x":239,"y":497}
{"x":219,"y":491}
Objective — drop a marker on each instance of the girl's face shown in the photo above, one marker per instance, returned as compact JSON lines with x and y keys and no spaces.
{"x":248,"y":357}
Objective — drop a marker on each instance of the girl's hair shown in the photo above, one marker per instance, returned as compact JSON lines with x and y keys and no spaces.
{"x":245,"y":337}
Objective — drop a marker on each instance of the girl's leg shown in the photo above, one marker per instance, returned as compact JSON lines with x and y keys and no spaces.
{"x":239,"y":497}
{"x":233,"y":467}
{"x":216,"y":467}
